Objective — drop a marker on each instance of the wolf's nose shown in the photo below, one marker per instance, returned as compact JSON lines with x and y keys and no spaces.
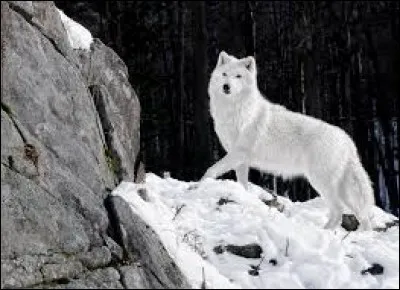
{"x":226,"y":87}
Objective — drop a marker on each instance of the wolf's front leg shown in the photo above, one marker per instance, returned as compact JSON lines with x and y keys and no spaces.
{"x":242,"y":174}
{"x":228,"y":162}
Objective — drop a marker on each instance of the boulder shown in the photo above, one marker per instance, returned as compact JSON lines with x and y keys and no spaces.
{"x":69,"y":134}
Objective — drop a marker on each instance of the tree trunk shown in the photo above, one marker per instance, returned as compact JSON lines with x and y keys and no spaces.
{"x":250,"y":29}
{"x":178,"y":101}
{"x":200,"y":88}
{"x":383,"y":112}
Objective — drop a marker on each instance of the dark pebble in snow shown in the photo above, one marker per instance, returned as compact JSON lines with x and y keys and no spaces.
{"x":375,"y":269}
{"x":142,"y":192}
{"x":247,"y":251}
{"x":349,"y":222}
{"x":273,"y":262}
{"x":273,"y":203}
{"x":254,"y":272}
{"x":218,"y":249}
{"x":224,"y":200}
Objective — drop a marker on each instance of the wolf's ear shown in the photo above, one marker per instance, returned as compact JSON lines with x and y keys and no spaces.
{"x":223,"y":58}
{"x":250,"y":63}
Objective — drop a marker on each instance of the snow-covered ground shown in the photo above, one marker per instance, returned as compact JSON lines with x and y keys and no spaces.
{"x":79,"y":37}
{"x":296,"y":251}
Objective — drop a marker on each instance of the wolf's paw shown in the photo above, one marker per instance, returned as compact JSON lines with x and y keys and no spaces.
{"x":193,"y":186}
{"x":245,"y":186}
{"x":331,"y":225}
{"x":327,"y":226}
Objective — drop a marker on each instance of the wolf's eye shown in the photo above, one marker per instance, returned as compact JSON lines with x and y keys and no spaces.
{"x":238,"y":76}
{"x":224,"y":74}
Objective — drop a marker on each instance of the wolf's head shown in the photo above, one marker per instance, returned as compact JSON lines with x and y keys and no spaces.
{"x":232,"y":77}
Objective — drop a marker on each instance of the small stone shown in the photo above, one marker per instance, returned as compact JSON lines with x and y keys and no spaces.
{"x":375,"y":269}
{"x":142,"y":192}
{"x":254,"y":272}
{"x":224,"y":200}
{"x":349,"y":222}
{"x":247,"y":251}
{"x":218,"y":249}
{"x":274,"y":203}
{"x":273,"y":262}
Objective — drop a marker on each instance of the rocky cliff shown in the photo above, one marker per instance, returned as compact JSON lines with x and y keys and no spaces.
{"x":69,"y":135}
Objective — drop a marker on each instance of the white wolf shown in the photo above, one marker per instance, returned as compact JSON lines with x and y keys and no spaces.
{"x":259,"y":134}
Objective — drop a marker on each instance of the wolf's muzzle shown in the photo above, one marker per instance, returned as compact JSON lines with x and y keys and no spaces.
{"x":226,"y":89}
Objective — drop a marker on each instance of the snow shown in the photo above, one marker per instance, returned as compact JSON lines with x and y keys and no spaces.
{"x":79,"y":37}
{"x":307,"y":255}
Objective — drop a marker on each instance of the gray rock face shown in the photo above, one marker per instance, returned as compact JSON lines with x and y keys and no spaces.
{"x":107,"y":278}
{"x":23,"y":7}
{"x":134,"y":277}
{"x":143,"y":241}
{"x":116,"y":103}
{"x":44,"y":16}
{"x":69,"y":134}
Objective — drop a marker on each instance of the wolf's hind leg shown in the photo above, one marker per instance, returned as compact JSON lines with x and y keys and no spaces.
{"x":329,"y":192}
{"x":335,"y":217}
{"x":335,"y":213}
{"x":362,"y":216}
{"x":353,"y":199}
{"x":242,"y":175}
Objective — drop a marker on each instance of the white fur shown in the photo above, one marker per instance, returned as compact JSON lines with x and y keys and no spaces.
{"x":259,"y":134}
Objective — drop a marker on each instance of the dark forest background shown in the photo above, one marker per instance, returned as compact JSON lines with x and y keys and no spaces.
{"x":338,"y":61}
